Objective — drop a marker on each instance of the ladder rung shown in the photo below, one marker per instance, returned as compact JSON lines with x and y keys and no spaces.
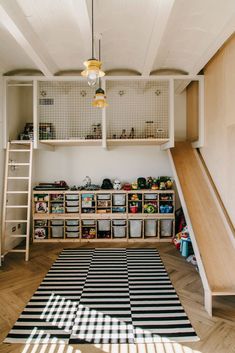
{"x":15,"y":250}
{"x":16,"y":221}
{"x":18,"y":164}
{"x":17,"y":192}
{"x":14,"y":150}
{"x":16,"y":206}
{"x":17,"y":235}
{"x":19,"y":178}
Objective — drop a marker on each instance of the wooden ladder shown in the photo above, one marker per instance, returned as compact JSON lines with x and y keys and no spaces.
{"x":17,"y":196}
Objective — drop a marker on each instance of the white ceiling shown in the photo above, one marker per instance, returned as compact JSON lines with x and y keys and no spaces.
{"x":140,"y":35}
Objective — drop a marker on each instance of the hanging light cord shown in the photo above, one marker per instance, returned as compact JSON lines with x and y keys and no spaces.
{"x":99,"y":60}
{"x":92,"y":28}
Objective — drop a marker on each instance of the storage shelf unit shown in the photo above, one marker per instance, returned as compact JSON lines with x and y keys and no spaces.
{"x":82,"y":216}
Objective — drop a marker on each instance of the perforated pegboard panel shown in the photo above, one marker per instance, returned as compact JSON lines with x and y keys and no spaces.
{"x":65,"y":111}
{"x":137,"y":109}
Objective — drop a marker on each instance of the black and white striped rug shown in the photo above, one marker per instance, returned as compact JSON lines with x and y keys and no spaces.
{"x":104,"y":296}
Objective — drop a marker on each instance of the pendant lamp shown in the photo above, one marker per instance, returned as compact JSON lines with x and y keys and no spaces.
{"x":93,"y":66}
{"x":100,"y":98}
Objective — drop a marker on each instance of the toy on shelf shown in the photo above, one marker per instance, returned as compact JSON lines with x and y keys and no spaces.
{"x":86,"y":182}
{"x":127,"y":187}
{"x":134,"y":207}
{"x":135,"y":197}
{"x":117,"y":184}
{"x":141,"y":183}
{"x":106,"y":184}
{"x":149,"y":182}
{"x":132,"y":133}
{"x":150,"y":208}
{"x":134,"y":185}
{"x":154,"y":185}
{"x":123,"y":134}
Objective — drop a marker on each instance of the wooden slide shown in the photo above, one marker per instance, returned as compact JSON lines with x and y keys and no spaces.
{"x":213,"y":245}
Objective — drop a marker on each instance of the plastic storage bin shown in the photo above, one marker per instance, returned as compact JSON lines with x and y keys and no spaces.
{"x":150,"y":228}
{"x":57,"y":232}
{"x":135,"y":228}
{"x":72,"y":228}
{"x":104,"y":228}
{"x":166,"y":228}
{"x":72,"y":234}
{"x":119,"y":199}
{"x":72,"y":222}
{"x":119,"y":228}
{"x":57,"y":222}
{"x":72,"y":203}
{"x":72,"y":209}
{"x":72,"y":197}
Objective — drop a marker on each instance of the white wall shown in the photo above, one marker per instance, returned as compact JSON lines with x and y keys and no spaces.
{"x":127,"y":163}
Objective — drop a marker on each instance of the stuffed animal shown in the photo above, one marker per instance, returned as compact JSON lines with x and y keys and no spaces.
{"x":117,"y":184}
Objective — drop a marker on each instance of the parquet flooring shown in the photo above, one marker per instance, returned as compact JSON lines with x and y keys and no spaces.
{"x":18,"y":281}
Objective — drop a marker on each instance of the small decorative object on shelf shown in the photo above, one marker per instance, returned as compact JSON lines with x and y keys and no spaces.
{"x":123,"y":134}
{"x":141,"y":183}
{"x":106,"y":184}
{"x":149,"y":130}
{"x":86,"y":182}
{"x":117,"y":184}
{"x":132,"y":133}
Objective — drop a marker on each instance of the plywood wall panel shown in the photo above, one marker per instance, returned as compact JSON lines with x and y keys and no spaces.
{"x":219,"y":149}
{"x":192,"y":111}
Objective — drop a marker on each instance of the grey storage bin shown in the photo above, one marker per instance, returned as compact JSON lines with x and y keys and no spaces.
{"x":72,"y":234}
{"x":166,"y":227}
{"x":104,"y":225}
{"x":103,"y":196}
{"x":57,"y":222}
{"x":119,"y":222}
{"x":119,"y":199}
{"x":72,"y":228}
{"x":135,"y":228}
{"x":150,"y":196}
{"x":150,"y":228}
{"x":72,"y":197}
{"x":72,"y":209}
{"x":57,"y":232}
{"x":119,"y":228}
{"x":72,"y":222}
{"x":71,"y":203}
{"x":88,"y":222}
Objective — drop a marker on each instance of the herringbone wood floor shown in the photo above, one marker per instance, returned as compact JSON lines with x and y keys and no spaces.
{"x":18,"y":281}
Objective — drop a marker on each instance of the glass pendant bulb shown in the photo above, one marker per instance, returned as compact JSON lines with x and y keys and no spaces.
{"x":92,"y":77}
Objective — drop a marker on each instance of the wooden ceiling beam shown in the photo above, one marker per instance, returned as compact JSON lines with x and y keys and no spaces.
{"x":163,"y":10}
{"x":15,"y":22}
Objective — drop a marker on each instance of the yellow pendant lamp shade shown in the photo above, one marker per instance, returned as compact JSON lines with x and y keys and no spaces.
{"x":93,"y":71}
{"x":99,"y":99}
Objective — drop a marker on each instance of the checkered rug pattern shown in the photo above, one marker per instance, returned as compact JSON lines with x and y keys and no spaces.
{"x":104,"y":295}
